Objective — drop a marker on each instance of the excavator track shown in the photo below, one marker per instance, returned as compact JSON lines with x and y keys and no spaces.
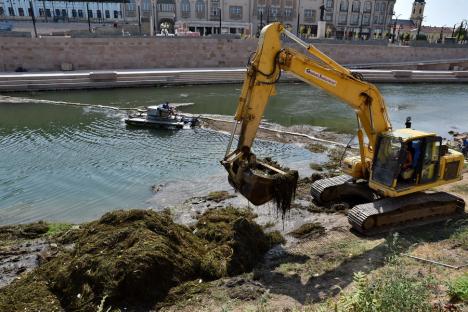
{"x":406,"y":211}
{"x":340,"y":188}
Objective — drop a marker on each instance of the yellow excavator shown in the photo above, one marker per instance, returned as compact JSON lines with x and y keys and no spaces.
{"x":388,"y":184}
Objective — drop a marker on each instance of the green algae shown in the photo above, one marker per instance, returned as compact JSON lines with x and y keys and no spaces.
{"x":133,"y":258}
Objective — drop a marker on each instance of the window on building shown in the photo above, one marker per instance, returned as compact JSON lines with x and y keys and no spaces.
{"x":329,"y":4}
{"x":98,"y":14}
{"x":57,"y":12}
{"x":368,"y":7}
{"x":64,"y":13}
{"x":80,"y":13}
{"x":41,"y":12}
{"x":166,"y":7}
{"x":420,"y":10}
{"x":377,"y":7}
{"x":310,"y":16}
{"x":11,"y":11}
{"x":375,"y":20}
{"x":382,"y":7}
{"x":185,"y":8}
{"x":287,"y":12}
{"x":29,"y":12}
{"x":1,"y":11}
{"x":343,"y":18}
{"x":366,"y":19}
{"x":329,"y":17}
{"x":74,"y":14}
{"x":90,"y":13}
{"x":235,"y":12}
{"x":356,"y":6}
{"x":20,"y":11}
{"x":355,"y":19}
{"x":214,"y":11}
{"x":116,"y":14}
{"x":48,"y":13}
{"x":200,"y":8}
{"x":107,"y":13}
{"x":274,"y":12}
{"x":381,"y":19}
{"x":344,"y":6}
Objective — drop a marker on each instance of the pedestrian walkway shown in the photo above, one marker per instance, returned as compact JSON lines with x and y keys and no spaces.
{"x":10,"y":82}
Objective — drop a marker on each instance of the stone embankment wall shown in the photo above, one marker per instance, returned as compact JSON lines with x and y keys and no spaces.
{"x":48,"y":54}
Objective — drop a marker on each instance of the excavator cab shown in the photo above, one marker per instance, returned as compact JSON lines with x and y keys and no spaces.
{"x":404,"y":159}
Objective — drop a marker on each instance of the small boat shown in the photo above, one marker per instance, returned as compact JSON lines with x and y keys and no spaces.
{"x":161,"y":116}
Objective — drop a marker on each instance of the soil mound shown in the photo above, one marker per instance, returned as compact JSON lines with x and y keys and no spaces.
{"x":131,"y":259}
{"x":237,"y":242}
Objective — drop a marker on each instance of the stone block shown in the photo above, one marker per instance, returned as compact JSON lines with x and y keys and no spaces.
{"x":402,"y":73}
{"x":103,"y":76}
{"x":461,"y":74}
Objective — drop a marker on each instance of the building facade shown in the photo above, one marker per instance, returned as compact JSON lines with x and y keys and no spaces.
{"x":345,"y":19}
{"x":60,"y":10}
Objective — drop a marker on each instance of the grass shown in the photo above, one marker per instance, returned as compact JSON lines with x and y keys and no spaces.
{"x":58,"y":228}
{"x":462,"y":189}
{"x":458,"y":288}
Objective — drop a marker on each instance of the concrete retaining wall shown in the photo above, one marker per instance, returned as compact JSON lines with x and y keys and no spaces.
{"x":12,"y":82}
{"x":48,"y":54}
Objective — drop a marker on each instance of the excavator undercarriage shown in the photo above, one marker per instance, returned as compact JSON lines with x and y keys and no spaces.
{"x":371,"y":214}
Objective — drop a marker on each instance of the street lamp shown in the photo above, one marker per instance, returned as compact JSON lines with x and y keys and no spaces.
{"x":219,"y":20}
{"x":441,"y":33}
{"x":298,"y":17}
{"x":33,"y":17}
{"x":394,"y":26}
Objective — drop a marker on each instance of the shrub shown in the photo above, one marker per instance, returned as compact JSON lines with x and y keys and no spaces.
{"x":458,"y":288}
{"x":394,"y":291}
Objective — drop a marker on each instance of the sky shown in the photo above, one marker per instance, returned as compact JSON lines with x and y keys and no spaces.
{"x":437,"y":12}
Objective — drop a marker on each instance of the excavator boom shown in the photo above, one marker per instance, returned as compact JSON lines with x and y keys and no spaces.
{"x":264,"y":70}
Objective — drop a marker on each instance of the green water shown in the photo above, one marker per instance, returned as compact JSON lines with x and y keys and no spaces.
{"x":440,"y":105}
{"x":73,"y":164}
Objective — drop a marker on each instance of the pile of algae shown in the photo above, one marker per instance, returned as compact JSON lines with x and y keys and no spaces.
{"x":131,"y":259}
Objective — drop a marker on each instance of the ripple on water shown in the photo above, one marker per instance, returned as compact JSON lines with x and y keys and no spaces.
{"x":77,"y":170}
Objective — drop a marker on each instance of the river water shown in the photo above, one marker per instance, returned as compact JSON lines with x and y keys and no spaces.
{"x":72,"y":164}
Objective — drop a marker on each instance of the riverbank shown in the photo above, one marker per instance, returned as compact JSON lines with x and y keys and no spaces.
{"x":102,"y":79}
{"x":314,"y":269}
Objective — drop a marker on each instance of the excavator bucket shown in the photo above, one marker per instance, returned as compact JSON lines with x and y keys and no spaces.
{"x":264,"y":182}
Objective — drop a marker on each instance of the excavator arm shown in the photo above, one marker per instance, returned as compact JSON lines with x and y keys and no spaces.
{"x":255,"y":179}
